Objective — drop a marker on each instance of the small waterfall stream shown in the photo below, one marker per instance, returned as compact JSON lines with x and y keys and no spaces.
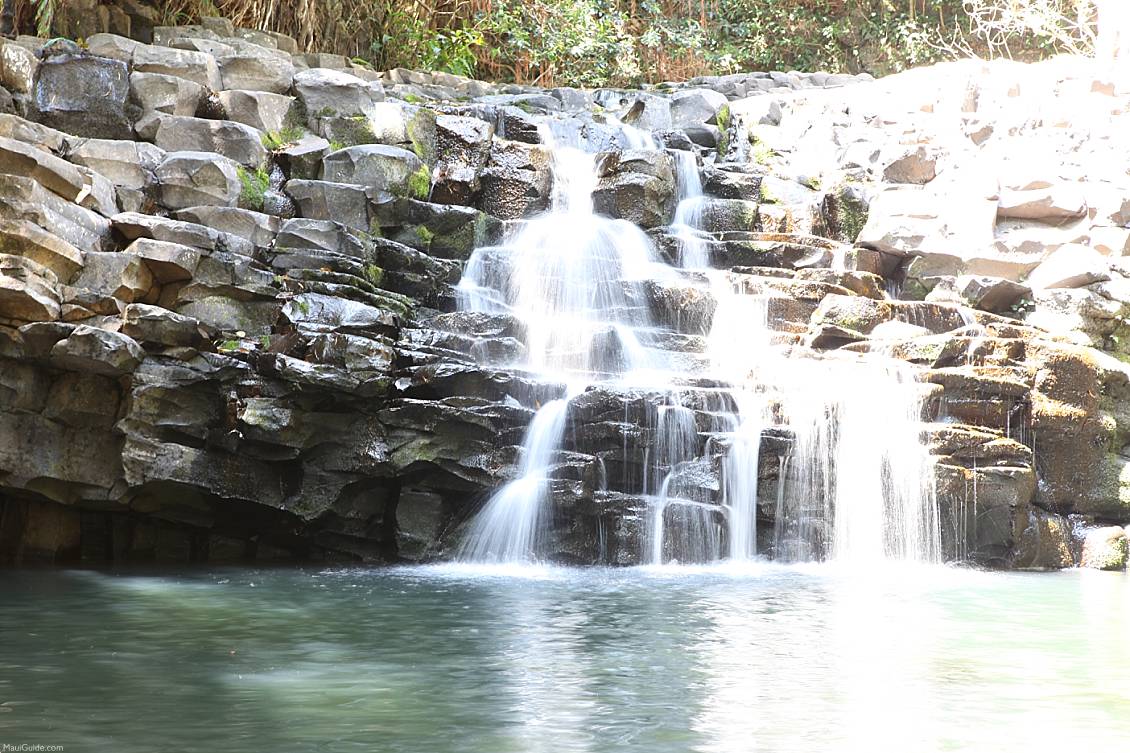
{"x":856,"y":484}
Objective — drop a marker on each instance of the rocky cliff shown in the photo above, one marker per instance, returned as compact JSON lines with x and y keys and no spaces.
{"x":228,"y":322}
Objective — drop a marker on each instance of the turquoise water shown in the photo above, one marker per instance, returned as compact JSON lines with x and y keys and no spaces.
{"x":431,"y":660}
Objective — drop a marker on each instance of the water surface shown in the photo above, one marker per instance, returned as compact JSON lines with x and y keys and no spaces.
{"x":475,"y":660}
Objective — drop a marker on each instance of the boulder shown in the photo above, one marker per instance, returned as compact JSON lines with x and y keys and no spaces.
{"x":160,"y":92}
{"x":96,"y":351}
{"x":82,"y":94}
{"x":463,"y":148}
{"x":167,"y":262}
{"x":153,"y":324}
{"x":1069,"y":266}
{"x":129,"y":164}
{"x":197,"y":67}
{"x":23,"y":238}
{"x":28,"y":291}
{"x":694,"y":107}
{"x":132,"y":225}
{"x":516,"y":181}
{"x":1053,"y":204}
{"x":386,"y":169}
{"x":115,"y":275}
{"x":914,"y":164}
{"x":258,"y":228}
{"x":980,"y":292}
{"x":263,"y":111}
{"x":192,"y":178}
{"x":636,"y":185}
{"x":302,"y":160}
{"x":1105,"y":548}
{"x":1045,"y":544}
{"x":58,"y":175}
{"x":18,"y":66}
{"x":341,"y":202}
{"x":227,"y":138}
{"x":256,"y":72}
{"x":25,"y":199}
{"x":324,"y":92}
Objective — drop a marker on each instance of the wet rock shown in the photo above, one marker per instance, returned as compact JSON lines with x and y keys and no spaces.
{"x":980,"y":292}
{"x":637,"y":186}
{"x":516,"y":181}
{"x":1104,"y":548}
{"x":82,"y":94}
{"x":463,"y":147}
{"x":446,"y":231}
{"x":1045,"y":544}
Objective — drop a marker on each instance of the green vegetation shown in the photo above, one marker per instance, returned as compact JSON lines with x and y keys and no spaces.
{"x":420,"y":183}
{"x":627,"y":42}
{"x":285,"y":136}
{"x":253,"y":185}
{"x":425,"y":235}
{"x":374,"y":275}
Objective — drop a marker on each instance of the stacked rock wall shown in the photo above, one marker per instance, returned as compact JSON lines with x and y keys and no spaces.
{"x":228,"y":326}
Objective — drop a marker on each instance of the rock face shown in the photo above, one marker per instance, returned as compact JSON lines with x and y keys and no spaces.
{"x":229,"y":298}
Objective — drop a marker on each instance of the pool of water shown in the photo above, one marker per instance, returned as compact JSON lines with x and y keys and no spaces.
{"x":438,"y":659}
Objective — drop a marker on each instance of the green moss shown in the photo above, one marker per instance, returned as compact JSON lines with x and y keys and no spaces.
{"x":275,"y":140}
{"x":336,"y":145}
{"x":425,"y":235}
{"x":265,"y":342}
{"x":760,"y":152}
{"x":228,"y":346}
{"x":412,"y":99}
{"x":420,"y":183}
{"x":722,"y":119}
{"x":421,"y":131}
{"x":353,"y":131}
{"x":374,"y":274}
{"x":375,"y":230}
{"x":253,"y":184}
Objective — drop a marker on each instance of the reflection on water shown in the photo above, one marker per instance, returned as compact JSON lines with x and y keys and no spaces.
{"x":496,"y":659}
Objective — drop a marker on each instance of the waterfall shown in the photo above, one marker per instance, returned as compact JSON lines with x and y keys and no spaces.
{"x":856,"y":484}
{"x":509,"y":528}
{"x":693,"y":251}
{"x":574,"y":279}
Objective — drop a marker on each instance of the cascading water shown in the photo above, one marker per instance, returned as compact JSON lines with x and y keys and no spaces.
{"x":573,"y":279}
{"x":856,"y":485}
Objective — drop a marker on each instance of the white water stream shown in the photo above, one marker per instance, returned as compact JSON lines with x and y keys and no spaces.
{"x":857,"y":483}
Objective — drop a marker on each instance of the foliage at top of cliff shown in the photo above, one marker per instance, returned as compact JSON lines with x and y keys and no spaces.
{"x":631,"y":42}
